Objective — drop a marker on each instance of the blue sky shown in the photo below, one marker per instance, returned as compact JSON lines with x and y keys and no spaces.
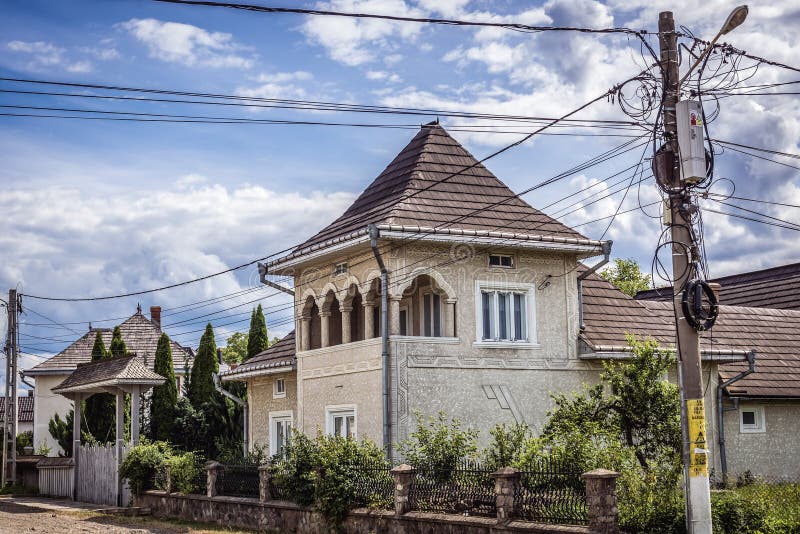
{"x":100,"y":207}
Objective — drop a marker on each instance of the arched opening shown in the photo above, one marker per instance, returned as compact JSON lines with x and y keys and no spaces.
{"x":423,"y":309}
{"x":335,"y":324}
{"x":315,"y":325}
{"x":372,"y":308}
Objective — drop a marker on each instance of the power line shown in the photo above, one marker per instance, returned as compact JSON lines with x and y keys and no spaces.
{"x":398,"y":18}
{"x":759,"y":149}
{"x":744,"y":217}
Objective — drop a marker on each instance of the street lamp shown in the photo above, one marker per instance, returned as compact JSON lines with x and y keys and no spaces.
{"x":734,"y":20}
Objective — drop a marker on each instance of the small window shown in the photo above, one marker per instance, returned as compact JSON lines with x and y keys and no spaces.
{"x":751,"y":419}
{"x":279,"y":388}
{"x":341,"y":421}
{"x":501,"y":260}
{"x":340,"y":268}
{"x":280,"y":430}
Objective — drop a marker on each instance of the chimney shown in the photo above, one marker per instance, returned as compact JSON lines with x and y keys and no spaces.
{"x":155,"y":315}
{"x":30,"y":393}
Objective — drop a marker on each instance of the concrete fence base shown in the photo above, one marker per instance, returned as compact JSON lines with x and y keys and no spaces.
{"x":288,"y":517}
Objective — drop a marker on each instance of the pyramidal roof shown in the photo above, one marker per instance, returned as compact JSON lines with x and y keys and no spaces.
{"x":418,"y":189}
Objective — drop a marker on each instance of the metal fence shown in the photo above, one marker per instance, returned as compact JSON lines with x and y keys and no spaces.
{"x":551,"y":492}
{"x":239,"y":480}
{"x":373,"y":485}
{"x":467,"y":489}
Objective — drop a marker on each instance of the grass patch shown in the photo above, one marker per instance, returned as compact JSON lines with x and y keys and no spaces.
{"x":166,"y":526}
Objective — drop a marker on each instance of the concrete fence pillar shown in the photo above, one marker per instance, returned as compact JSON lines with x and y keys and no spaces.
{"x":601,"y":496}
{"x":167,"y":480}
{"x":213,"y":470}
{"x":506,"y":481}
{"x":264,"y":479}
{"x":403,"y":476}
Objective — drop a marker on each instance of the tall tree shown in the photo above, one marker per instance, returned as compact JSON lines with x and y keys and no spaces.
{"x":626,"y":276}
{"x":165,"y":396}
{"x":235,"y":350}
{"x":117,"y":347}
{"x":100,"y":408}
{"x":201,"y":385}
{"x":257,"y":339}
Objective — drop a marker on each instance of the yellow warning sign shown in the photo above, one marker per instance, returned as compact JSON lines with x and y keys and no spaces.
{"x":698,"y":455}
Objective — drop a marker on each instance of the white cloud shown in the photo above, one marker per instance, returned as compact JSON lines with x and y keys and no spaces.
{"x":278,"y":85}
{"x":80,"y":66}
{"x":354,"y":41}
{"x":382,"y":75}
{"x":44,"y":55}
{"x":188,"y":45}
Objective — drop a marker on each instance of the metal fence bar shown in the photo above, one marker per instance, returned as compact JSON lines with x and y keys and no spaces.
{"x":467,"y":489}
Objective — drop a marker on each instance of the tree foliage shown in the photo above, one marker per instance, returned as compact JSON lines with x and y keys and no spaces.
{"x":165,"y":397}
{"x":235,"y":350}
{"x":100,"y":409}
{"x":201,"y":385}
{"x":439,"y":443}
{"x":117,"y":347}
{"x":257,"y":338}
{"x":626,"y":275}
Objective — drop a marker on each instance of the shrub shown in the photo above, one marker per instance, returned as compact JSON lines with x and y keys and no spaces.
{"x":439,"y":444}
{"x":732,"y":513}
{"x":507,"y":445}
{"x":184,"y":469}
{"x":293,"y":471}
{"x":24,"y":439}
{"x":142,"y":463}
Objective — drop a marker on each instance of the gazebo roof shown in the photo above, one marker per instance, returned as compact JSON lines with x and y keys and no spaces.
{"x":108,"y":376}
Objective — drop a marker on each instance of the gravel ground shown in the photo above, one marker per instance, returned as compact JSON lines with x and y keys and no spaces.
{"x":29,"y":515}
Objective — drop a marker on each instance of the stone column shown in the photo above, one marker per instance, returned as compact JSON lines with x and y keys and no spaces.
{"x":394,"y":314}
{"x":213,"y":470}
{"x":506,"y":480}
{"x":305,"y":332}
{"x":324,"y":320}
{"x":601,"y":496}
{"x":369,"y":319}
{"x":264,"y":478}
{"x":450,"y":318}
{"x":404,"y":476}
{"x":167,"y":480}
{"x":347,"y":335}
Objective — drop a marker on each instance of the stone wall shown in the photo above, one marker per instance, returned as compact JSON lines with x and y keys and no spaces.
{"x":278,"y":516}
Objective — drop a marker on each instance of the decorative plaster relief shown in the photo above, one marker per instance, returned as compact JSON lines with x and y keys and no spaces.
{"x":502,"y":393}
{"x":343,"y":369}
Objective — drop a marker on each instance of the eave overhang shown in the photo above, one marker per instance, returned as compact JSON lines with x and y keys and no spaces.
{"x":255,"y":371}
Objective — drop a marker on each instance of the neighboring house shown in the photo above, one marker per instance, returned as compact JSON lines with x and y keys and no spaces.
{"x":271,"y":393}
{"x":484,"y":315}
{"x":24,"y":412}
{"x":141,"y":338}
{"x":777,"y":287}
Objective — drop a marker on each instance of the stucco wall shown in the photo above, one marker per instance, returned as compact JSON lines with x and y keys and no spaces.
{"x":45,"y":405}
{"x":772,"y":454}
{"x":261,"y":402}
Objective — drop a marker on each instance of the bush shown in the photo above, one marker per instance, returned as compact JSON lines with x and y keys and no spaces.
{"x":293,"y":470}
{"x":24,"y":439}
{"x":507,"y":445}
{"x":732,"y":513}
{"x":439,"y":444}
{"x":142,"y":463}
{"x":184,"y":469}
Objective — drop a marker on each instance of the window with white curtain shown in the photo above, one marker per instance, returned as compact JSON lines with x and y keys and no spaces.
{"x":504,"y":314}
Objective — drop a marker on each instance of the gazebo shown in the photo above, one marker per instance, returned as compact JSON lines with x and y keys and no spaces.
{"x":124,"y":374}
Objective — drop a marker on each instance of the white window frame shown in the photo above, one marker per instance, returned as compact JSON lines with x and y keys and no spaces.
{"x":489,"y":261}
{"x":760,"y":426}
{"x":530,"y":314}
{"x":422,"y":314}
{"x":275,"y":417}
{"x":341,"y":269}
{"x":340,"y":410}
{"x":278,"y":394}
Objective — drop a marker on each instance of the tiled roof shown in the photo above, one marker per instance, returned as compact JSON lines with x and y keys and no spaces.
{"x":24,"y":408}
{"x":778,"y":287}
{"x":281,"y":354}
{"x":140,"y":336}
{"x":431,"y":157}
{"x":774,"y":334}
{"x":121,"y":370}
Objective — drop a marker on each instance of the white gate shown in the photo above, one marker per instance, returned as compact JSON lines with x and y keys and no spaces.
{"x":96,"y":475}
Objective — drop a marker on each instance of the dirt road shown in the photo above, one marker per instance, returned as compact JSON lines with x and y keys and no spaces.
{"x":46,"y":516}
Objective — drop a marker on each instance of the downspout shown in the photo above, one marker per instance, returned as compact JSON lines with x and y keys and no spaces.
{"x":588,"y":272}
{"x":262,"y":275}
{"x":240,"y":402}
{"x":374,"y":233}
{"x":24,"y":380}
{"x":723,"y":459}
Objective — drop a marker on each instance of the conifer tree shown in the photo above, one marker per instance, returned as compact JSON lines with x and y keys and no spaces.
{"x":100,"y":408}
{"x":165,"y":396}
{"x":257,"y":339}
{"x":117,"y":347}
{"x":201,"y":385}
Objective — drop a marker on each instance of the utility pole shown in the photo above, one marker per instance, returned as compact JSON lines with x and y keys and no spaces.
{"x":10,"y":421}
{"x":684,"y":258}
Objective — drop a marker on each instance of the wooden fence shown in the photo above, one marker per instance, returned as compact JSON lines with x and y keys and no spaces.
{"x":56,"y":477}
{"x":97,"y":475}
